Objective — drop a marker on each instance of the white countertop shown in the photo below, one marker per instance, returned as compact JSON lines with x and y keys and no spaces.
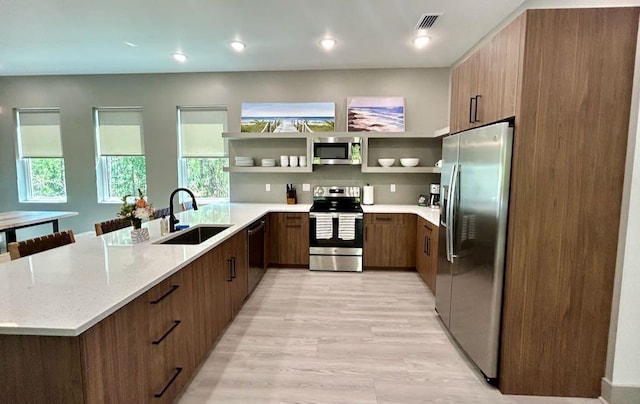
{"x":430,"y":214}
{"x":67,"y":290}
{"x":11,"y":220}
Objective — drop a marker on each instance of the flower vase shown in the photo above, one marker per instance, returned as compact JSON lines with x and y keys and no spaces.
{"x":136,"y":223}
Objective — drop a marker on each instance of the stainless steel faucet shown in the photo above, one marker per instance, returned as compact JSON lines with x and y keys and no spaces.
{"x":172,"y":218}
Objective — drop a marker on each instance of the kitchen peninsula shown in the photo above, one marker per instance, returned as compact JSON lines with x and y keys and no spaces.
{"x":92,"y":314}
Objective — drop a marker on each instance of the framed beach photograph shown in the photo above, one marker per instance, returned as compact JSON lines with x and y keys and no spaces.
{"x":375,"y":114}
{"x":274,"y":117}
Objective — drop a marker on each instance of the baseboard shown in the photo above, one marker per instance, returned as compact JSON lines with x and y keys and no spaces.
{"x":619,"y":394}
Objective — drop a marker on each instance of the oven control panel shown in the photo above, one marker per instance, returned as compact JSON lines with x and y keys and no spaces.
{"x":336,"y":192}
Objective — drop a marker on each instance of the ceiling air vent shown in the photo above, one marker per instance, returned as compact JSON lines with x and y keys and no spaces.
{"x":427,"y":21}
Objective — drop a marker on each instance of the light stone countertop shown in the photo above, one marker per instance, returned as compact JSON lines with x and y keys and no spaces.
{"x":432,"y":215}
{"x":67,"y":290}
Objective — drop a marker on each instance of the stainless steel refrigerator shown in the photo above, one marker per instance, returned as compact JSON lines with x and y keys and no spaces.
{"x":474,"y":198}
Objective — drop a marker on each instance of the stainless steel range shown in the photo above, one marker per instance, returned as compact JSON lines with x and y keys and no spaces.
{"x":335,"y":229}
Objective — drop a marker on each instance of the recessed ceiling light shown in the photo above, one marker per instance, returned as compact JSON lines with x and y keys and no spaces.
{"x":180,"y":57}
{"x":237,"y":45}
{"x":130,"y":44}
{"x":328,"y":43}
{"x":421,"y":41}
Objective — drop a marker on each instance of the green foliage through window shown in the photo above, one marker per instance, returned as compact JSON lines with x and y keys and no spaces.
{"x":206,"y":178}
{"x":46,"y":178}
{"x":124,"y":176}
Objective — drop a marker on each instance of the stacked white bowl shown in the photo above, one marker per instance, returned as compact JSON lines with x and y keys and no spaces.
{"x":268,"y":162}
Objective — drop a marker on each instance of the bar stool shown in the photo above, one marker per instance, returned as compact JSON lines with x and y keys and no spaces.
{"x":39,"y":244}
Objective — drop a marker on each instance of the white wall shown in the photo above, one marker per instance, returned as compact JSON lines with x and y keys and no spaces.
{"x":623,"y":360}
{"x":426,"y":105}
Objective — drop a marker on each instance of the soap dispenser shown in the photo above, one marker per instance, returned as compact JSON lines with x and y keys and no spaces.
{"x":164,"y":226}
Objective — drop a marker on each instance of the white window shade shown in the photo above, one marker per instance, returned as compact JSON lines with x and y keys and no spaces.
{"x":39,"y":134}
{"x":120,"y":133}
{"x":201,"y":132}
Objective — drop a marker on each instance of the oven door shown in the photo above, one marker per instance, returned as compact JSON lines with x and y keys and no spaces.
{"x":335,"y":241}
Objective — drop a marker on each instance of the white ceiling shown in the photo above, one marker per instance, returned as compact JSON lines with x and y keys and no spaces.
{"x":88,"y":37}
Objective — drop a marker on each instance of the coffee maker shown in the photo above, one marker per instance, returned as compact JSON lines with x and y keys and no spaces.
{"x":434,"y":195}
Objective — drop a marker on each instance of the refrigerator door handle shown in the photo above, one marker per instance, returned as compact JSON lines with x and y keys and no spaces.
{"x":448,"y":216}
{"x":451,"y":215}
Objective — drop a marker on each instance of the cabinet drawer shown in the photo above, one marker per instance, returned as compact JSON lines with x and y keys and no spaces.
{"x":164,"y":304}
{"x":294,"y":217}
{"x":388,"y":218}
{"x":170,"y":363}
{"x":289,"y":239}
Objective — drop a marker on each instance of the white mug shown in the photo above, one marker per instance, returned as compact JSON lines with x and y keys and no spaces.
{"x":302,"y":161}
{"x":284,"y":161}
{"x":293,"y":161}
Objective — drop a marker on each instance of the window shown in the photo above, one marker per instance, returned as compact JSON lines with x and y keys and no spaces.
{"x":40,"y":163}
{"x":202,"y":152}
{"x":121,"y":166}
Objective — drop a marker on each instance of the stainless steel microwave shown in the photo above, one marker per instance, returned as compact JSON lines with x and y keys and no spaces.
{"x":336,"y":150}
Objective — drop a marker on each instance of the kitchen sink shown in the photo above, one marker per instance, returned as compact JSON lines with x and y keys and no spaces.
{"x":196,"y":235}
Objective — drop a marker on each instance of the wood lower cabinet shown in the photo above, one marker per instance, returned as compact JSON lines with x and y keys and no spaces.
{"x":427,"y":252}
{"x":170,"y":336}
{"x":389,"y":240}
{"x":236,"y":261}
{"x":146,"y":352}
{"x":27,"y":378}
{"x":289,"y":233}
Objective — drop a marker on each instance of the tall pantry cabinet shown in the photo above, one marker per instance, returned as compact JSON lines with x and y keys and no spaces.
{"x":566,"y":76}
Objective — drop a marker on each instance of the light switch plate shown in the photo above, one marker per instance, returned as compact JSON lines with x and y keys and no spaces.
{"x":393,"y":188}
{"x":306,"y":187}
{"x":267,"y":187}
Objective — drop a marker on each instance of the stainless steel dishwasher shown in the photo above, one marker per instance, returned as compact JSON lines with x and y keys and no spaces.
{"x":255,"y":234}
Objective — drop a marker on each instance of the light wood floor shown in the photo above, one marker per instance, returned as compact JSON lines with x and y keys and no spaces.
{"x":318,"y":337}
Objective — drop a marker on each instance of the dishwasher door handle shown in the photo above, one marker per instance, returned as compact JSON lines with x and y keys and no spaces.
{"x":254,"y":230}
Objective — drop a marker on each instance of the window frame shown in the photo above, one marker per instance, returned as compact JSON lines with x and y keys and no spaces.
{"x":183,"y":179}
{"x":24,"y":164}
{"x":102,"y":173}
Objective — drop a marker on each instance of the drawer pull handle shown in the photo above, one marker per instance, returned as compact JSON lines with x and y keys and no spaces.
{"x":158,"y":300}
{"x":294,"y":225}
{"x":383,"y":219}
{"x":173,"y":327}
{"x":293,"y":217}
{"x":158,"y":395}
{"x":471,"y":120}
{"x":233,"y":267}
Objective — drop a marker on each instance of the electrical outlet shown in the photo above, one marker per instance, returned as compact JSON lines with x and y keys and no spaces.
{"x":306,"y":187}
{"x":267,"y":187}
{"x":393,"y":188}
